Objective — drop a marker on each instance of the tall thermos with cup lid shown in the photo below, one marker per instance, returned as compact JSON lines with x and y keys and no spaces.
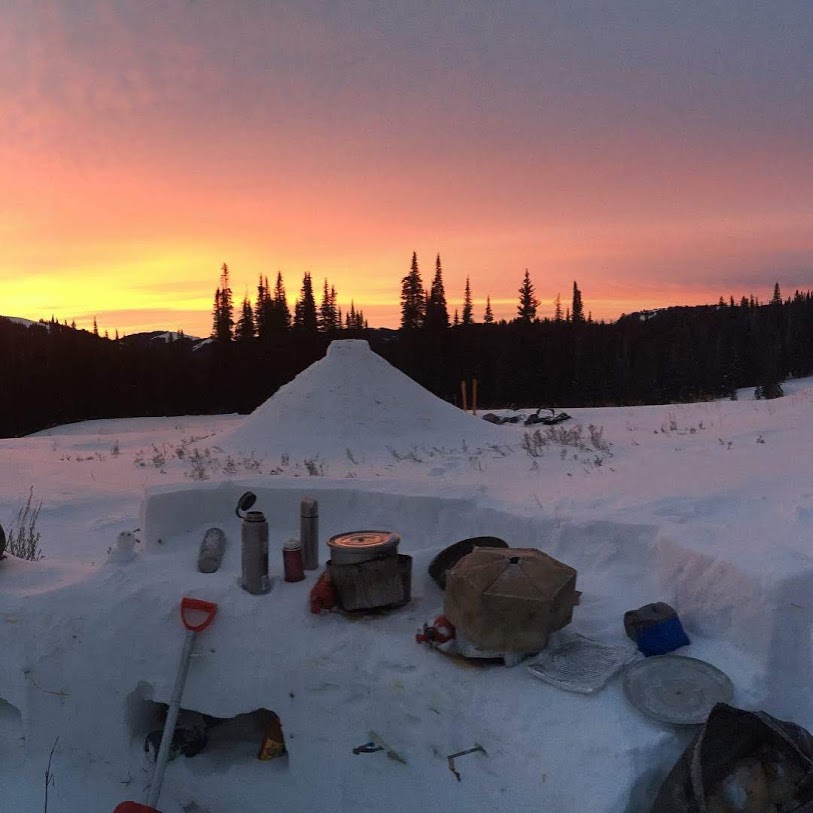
{"x":309,"y":532}
{"x":254,"y":546}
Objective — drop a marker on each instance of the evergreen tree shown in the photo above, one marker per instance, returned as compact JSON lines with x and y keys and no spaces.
{"x":488,"y":316}
{"x":280,"y":312}
{"x":413,"y":302}
{"x":223,"y":311}
{"x":354,"y":319}
{"x":327,"y":310}
{"x":216,"y":314}
{"x":776,"y":299}
{"x":456,"y":318}
{"x":245,"y":324}
{"x":557,"y":312}
{"x":263,"y":309}
{"x":305,"y":317}
{"x":226,"y":305}
{"x":95,"y":327}
{"x":528,"y":303}
{"x":324,"y":308}
{"x":437,"y":314}
{"x":468,"y":310}
{"x":577,"y":309}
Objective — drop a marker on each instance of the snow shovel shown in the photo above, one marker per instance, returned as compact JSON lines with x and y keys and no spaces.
{"x":187,"y":605}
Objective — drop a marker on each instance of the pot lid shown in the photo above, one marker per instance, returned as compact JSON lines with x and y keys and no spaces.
{"x":676,"y":689}
{"x":366,"y":541}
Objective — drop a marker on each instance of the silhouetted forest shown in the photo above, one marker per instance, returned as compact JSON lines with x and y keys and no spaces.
{"x":54,"y":374}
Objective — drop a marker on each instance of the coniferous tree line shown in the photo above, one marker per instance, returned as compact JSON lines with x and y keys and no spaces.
{"x":270,"y":317}
{"x":54,"y":374}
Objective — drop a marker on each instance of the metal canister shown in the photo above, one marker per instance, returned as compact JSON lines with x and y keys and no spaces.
{"x":254,"y":539}
{"x":309,"y":532}
{"x":292,"y":560}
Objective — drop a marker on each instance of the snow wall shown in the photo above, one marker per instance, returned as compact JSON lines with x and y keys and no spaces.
{"x":762,"y":613}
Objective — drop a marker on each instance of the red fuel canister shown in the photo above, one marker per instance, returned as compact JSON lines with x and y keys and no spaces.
{"x":292,"y":560}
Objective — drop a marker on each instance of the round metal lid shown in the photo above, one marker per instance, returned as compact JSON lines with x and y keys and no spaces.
{"x":367,"y":541}
{"x":676,"y":689}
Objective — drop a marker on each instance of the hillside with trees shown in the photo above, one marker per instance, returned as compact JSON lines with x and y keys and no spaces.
{"x":54,"y":374}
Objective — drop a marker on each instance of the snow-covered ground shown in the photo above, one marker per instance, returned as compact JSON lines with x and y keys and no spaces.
{"x":707,"y":506}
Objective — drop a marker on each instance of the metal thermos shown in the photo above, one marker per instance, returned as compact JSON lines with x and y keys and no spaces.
{"x":254,"y":538}
{"x":309,"y":532}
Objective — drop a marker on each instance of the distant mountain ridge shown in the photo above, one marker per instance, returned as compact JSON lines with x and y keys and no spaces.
{"x":20,"y":321}
{"x":166,"y":336}
{"x":140,"y":338}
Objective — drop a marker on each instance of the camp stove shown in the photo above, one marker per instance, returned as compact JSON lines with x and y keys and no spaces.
{"x":368,"y":571}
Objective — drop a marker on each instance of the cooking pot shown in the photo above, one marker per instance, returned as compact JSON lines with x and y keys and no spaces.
{"x":354,"y":547}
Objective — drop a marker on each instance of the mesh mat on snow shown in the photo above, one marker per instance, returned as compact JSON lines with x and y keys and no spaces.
{"x":579,"y":664}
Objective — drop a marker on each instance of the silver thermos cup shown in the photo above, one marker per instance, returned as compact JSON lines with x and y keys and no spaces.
{"x":309,"y":532}
{"x":254,"y":539}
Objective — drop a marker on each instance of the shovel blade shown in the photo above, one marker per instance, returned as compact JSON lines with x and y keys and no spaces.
{"x":134,"y":807}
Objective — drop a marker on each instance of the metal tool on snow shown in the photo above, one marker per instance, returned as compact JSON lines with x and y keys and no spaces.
{"x":375,"y":744}
{"x":367,"y":748}
{"x":453,"y":757}
{"x":188,"y":606}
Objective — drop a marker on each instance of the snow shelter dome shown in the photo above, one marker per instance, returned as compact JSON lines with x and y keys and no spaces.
{"x":352,"y":400}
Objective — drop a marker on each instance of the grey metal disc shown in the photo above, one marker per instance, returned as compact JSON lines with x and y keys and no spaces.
{"x":676,"y":689}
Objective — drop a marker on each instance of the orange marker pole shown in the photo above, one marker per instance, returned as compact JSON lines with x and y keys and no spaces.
{"x":474,"y":396}
{"x":463,"y":395}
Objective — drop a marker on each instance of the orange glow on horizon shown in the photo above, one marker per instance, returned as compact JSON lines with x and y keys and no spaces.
{"x":171,"y":286}
{"x":140,"y":250}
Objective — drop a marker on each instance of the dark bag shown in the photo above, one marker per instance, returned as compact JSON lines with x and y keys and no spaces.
{"x":655,"y":628}
{"x":719,"y":761}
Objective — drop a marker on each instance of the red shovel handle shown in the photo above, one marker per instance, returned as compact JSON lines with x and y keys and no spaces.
{"x":197,"y":604}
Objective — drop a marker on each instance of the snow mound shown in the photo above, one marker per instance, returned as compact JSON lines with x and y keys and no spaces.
{"x":353,"y":401}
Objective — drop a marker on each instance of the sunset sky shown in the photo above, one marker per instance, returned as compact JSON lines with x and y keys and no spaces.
{"x":655,"y":152}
